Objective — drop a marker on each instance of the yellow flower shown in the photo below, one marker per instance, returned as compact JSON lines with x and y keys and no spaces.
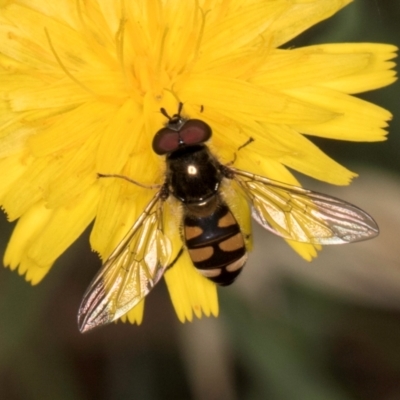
{"x":82,"y":86}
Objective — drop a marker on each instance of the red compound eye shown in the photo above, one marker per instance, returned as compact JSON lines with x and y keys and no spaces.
{"x":195,"y":131}
{"x":165,"y":141}
{"x":169,"y":139}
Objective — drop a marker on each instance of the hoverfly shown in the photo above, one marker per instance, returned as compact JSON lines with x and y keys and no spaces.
{"x":210,"y":231}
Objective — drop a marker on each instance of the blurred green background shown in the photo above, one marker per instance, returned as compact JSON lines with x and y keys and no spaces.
{"x":287,"y":329}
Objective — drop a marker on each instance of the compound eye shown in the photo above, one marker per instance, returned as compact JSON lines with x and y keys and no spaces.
{"x":165,"y":141}
{"x":195,"y":131}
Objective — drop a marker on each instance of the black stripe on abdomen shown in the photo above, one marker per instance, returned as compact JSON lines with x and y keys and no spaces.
{"x":215,"y":244}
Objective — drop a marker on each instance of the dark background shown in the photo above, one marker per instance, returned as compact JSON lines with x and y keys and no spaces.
{"x":287,"y":329}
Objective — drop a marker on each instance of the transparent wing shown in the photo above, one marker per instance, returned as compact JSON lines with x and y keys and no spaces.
{"x":131,"y":271}
{"x":303,"y":215}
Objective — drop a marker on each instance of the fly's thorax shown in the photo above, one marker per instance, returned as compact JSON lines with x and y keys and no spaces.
{"x":193,"y":174}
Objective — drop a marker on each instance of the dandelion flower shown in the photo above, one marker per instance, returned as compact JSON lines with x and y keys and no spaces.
{"x":82,"y":84}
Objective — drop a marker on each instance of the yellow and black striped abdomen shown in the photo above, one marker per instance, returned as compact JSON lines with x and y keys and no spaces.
{"x":215,"y":243}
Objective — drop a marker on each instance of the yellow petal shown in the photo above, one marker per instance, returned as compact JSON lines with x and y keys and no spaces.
{"x":33,"y":271}
{"x":302,"y":15}
{"x":65,"y":8}
{"x":230,"y":96}
{"x":135,"y":316}
{"x":271,"y":169}
{"x":14,"y":168}
{"x":190,"y":292}
{"x":25,"y":232}
{"x":377,"y":73}
{"x":356,"y":120}
{"x":23,"y":30}
{"x":41,"y":235}
{"x":305,"y":250}
{"x":27,"y":190}
{"x":122,"y":137}
{"x":73,"y":175}
{"x":64,"y":95}
{"x":240,"y":27}
{"x":119,"y":205}
{"x":14,"y":140}
{"x":72,"y":129}
{"x":349,"y":67}
{"x":63,"y":228}
{"x":307,"y":158}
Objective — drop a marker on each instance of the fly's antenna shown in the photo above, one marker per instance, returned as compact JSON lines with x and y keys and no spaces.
{"x":180,"y":106}
{"x":164,"y":112}
{"x":176,"y":116}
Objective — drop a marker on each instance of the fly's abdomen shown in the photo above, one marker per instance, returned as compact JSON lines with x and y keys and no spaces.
{"x":215,"y":243}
